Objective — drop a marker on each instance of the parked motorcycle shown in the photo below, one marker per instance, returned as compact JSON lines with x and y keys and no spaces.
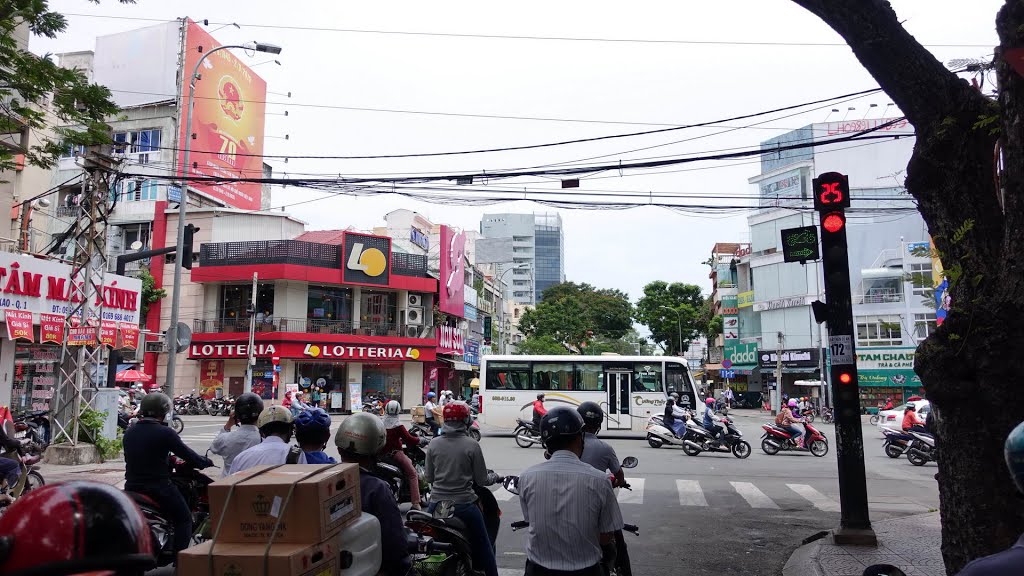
{"x":896,"y":443}
{"x":32,"y":429}
{"x":699,"y":439}
{"x":777,"y":438}
{"x":526,"y":434}
{"x":659,"y":435}
{"x":923,"y":449}
{"x":827,"y":415}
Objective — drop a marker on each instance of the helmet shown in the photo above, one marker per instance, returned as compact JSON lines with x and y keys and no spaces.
{"x":792,"y":403}
{"x":709,"y":401}
{"x":560,"y":422}
{"x":457,"y":412}
{"x":312,"y":419}
{"x":273,"y":414}
{"x":674,"y":395}
{"x":74,"y":527}
{"x":155,"y":405}
{"x":1014,"y":452}
{"x":361,"y":434}
{"x":592,"y":414}
{"x":431,"y":395}
{"x":392,"y":408}
{"x":248,"y":407}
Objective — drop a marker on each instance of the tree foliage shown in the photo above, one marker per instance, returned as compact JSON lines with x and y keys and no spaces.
{"x":668,"y":309}
{"x":150,"y":293}
{"x":573,"y":315}
{"x":28,"y":82}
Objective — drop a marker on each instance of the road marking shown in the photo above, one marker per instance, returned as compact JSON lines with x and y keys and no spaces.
{"x":754,"y":496}
{"x":502,"y":495}
{"x":820,"y":501}
{"x":636,"y":496}
{"x":690,"y":493}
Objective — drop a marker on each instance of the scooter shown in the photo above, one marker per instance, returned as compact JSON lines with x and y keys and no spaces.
{"x":29,"y":479}
{"x":32,"y":429}
{"x":659,"y":435}
{"x":699,"y":439}
{"x":923,"y":449}
{"x":526,"y":434}
{"x":447,"y":534}
{"x":777,"y":438}
{"x":896,"y":443}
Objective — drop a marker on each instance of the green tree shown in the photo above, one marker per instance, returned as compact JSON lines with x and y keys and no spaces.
{"x":541,"y":345}
{"x":973,"y":204}
{"x":150,"y":293}
{"x":670,"y":309}
{"x":27,"y":81}
{"x":575,"y":314}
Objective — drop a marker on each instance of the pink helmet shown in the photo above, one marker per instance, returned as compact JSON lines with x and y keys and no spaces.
{"x":792,"y":403}
{"x":709,"y":401}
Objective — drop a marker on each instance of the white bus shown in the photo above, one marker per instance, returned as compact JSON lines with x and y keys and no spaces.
{"x":629,"y":388}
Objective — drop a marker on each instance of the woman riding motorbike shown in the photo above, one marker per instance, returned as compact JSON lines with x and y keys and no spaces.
{"x":397,"y":436}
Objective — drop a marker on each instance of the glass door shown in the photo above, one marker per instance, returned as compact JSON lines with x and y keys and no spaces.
{"x":618,"y":385}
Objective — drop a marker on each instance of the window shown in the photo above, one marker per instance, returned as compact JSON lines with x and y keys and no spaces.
{"x":924,"y":325}
{"x":590,"y":377}
{"x":328,"y":308}
{"x":677,"y":379}
{"x":515,"y":312}
{"x":921,"y":278}
{"x":135,"y":233}
{"x":140,"y":143}
{"x":647,"y":377}
{"x":73,"y":151}
{"x":508,"y":376}
{"x":135,"y":191}
{"x":552,"y":376}
{"x":235,"y":302}
{"x":879,"y":331}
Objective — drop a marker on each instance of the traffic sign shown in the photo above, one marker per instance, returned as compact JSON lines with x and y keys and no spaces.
{"x":727,"y":374}
{"x":800,"y":244}
{"x":726,"y":363}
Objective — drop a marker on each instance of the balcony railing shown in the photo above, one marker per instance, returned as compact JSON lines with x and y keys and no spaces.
{"x":68,"y":211}
{"x":297,"y":252}
{"x":879,"y":297}
{"x":314,"y":326}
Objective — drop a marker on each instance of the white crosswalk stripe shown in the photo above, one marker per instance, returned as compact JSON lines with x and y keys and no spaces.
{"x":820,"y":501}
{"x":502,"y":495}
{"x":690,"y":493}
{"x":754,"y":496}
{"x":634,"y":496}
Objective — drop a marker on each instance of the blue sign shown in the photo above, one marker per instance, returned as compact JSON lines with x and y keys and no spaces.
{"x":469,"y":313}
{"x":472,"y":354}
{"x":174,"y":193}
{"x":727,"y":374}
{"x":419,"y":238}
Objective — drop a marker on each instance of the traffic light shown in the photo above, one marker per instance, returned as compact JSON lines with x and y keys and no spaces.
{"x":188,"y":246}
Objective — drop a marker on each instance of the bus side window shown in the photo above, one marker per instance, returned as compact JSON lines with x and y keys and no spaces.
{"x":677,"y":379}
{"x":552,"y":376}
{"x":508,"y":376}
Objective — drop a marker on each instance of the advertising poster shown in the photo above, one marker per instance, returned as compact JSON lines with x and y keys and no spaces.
{"x":227,"y":120}
{"x":19,"y":325}
{"x":453,"y":282}
{"x":355,"y":396}
{"x":51,"y":328}
{"x":212,"y":376}
{"x":129,"y":335}
{"x":108,"y":334}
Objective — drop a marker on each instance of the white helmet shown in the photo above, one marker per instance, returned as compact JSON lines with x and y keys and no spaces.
{"x":361,"y":434}
{"x":392,"y":408}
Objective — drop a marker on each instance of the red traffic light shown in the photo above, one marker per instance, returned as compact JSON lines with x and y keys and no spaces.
{"x":833,"y":222}
{"x":845,"y":378}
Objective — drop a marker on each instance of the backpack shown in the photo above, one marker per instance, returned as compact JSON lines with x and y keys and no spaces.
{"x":779,"y":419}
{"x":293,"y":455}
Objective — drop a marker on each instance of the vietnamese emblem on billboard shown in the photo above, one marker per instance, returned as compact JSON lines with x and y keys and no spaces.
{"x":227,"y":121}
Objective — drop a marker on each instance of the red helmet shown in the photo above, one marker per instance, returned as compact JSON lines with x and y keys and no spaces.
{"x":458,"y":412}
{"x":74,"y":527}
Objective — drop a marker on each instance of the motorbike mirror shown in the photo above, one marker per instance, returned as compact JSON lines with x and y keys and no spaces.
{"x":883,"y":570}
{"x":444,"y":509}
{"x":630,"y":462}
{"x":511,"y":484}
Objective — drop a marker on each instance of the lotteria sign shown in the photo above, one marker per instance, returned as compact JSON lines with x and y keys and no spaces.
{"x":311,"y":351}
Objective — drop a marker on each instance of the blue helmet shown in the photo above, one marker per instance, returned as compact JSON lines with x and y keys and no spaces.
{"x":1014,"y":452}
{"x":313,"y":425}
{"x":431,"y":395}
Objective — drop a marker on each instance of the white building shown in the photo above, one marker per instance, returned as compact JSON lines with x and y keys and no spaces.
{"x":535,"y":256}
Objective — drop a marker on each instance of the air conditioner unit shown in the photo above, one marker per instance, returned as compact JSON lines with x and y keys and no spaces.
{"x":414,"y":300}
{"x":412,"y":331}
{"x":155,"y":346}
{"x":414,"y":316}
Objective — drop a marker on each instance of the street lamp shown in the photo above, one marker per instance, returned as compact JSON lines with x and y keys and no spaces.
{"x":172,"y":330}
{"x":679,"y":321}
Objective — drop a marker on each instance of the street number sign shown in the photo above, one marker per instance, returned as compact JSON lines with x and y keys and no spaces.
{"x":840,"y":349}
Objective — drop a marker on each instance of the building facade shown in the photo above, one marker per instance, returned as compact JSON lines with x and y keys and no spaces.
{"x":532,"y":252}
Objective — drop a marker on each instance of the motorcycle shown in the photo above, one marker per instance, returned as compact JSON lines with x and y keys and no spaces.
{"x":659,"y":435}
{"x":699,"y":439}
{"x":827,"y":415}
{"x":32,"y":429}
{"x":374,"y":404}
{"x":29,"y":479}
{"x":526,"y":434}
{"x":193,"y":486}
{"x":448,"y":536}
{"x":923,"y":449}
{"x":808,"y":414}
{"x":896,"y":443}
{"x":777,"y":438}
{"x":388,"y":470}
{"x":125,"y":419}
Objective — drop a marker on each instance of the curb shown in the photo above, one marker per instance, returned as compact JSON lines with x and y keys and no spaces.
{"x":804,"y":560}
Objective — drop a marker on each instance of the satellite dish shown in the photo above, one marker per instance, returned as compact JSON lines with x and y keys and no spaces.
{"x":137,"y":245}
{"x":183,"y":335}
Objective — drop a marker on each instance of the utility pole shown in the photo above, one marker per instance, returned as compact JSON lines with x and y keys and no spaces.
{"x":777,"y":400}
{"x":250,"y":356}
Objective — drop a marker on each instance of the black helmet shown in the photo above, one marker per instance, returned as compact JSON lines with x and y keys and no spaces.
{"x":155,"y":405}
{"x":540,"y":396}
{"x":591,"y":413}
{"x":560,"y":422}
{"x":247,"y":408}
{"x":1013,"y":449}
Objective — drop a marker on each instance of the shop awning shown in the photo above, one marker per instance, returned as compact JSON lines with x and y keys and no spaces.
{"x":709,"y":367}
{"x":462,"y":366}
{"x":474,"y":383}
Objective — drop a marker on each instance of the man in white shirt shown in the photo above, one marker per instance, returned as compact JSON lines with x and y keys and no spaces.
{"x":231,"y":442}
{"x":276,"y":425}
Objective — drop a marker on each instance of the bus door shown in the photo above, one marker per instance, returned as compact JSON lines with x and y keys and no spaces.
{"x":618,"y":384}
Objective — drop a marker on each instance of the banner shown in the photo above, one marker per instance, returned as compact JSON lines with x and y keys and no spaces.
{"x":452,"y":268}
{"x":51,"y":329}
{"x":211,"y":374}
{"x":19,"y":325}
{"x":108,"y":334}
{"x":82,"y":336}
{"x":745,"y":299}
{"x":129,"y":335}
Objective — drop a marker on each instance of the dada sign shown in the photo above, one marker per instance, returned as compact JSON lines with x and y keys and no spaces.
{"x":740,"y":354}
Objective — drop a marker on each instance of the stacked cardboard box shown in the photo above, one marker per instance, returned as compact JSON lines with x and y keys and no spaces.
{"x":280,"y":520}
{"x":419,"y":414}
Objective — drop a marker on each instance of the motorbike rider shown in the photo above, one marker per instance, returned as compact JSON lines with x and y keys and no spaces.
{"x":538,"y":411}
{"x":675,"y":416}
{"x":428,"y":413}
{"x":359,"y":439}
{"x":397,"y":437}
{"x":454,"y":463}
{"x":76,"y":527}
{"x":146,"y":446}
{"x":787,"y":420}
{"x":10,"y":469}
{"x":1009,"y":561}
{"x":571,"y":507}
{"x":312,"y":431}
{"x":710,"y":422}
{"x":911,"y":421}
{"x":276,"y":425}
{"x":230,"y":442}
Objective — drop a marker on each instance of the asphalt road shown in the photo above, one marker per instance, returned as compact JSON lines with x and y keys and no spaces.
{"x":709,"y":514}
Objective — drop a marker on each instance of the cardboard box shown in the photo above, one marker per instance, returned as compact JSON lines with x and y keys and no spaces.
{"x":230,"y":559}
{"x":325,"y":498}
{"x":419,"y":418}
{"x":418,"y":411}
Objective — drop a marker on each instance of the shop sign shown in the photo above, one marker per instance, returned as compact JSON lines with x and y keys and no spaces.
{"x":781,"y":303}
{"x":487,"y":328}
{"x":451,"y":340}
{"x":311,"y":350}
{"x":470,"y":312}
{"x":108,"y":334}
{"x":51,"y":329}
{"x":894,"y":358}
{"x":366,"y":259}
{"x":743,"y":250}
{"x":472,"y":355}
{"x":745,"y":299}
{"x":796,"y":358}
{"x":128,"y":334}
{"x":729,"y":305}
{"x":348,"y":352}
{"x":229,"y":350}
{"x":731,"y":327}
{"x":44,"y":287}
{"x":82,"y":336}
{"x":19,"y":325}
{"x":848,"y":126}
{"x":791,"y":183}
{"x":741,"y":354}
{"x":419,"y":238}
{"x":470,"y":296}
{"x":888,"y":378}
{"x":452,"y":270}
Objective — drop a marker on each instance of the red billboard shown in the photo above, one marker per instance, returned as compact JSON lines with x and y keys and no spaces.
{"x":227,"y":121}
{"x":453,"y":272}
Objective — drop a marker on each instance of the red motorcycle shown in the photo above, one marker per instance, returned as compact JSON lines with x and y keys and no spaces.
{"x":777,"y":438}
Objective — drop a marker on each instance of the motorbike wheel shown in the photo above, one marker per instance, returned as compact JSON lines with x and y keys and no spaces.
{"x":177,"y":424}
{"x":892,"y":451}
{"x":654,"y":441}
{"x":916,"y":459}
{"x":519,"y":441}
{"x":828,"y":418}
{"x":474,"y":434}
{"x":741,"y":449}
{"x":769,"y":448}
{"x":810,"y":418}
{"x":819,"y":448}
{"x":873,"y":420}
{"x":690,"y":450}
{"x":35,"y":480}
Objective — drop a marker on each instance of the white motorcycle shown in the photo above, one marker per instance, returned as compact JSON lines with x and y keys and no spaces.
{"x":659,"y":435}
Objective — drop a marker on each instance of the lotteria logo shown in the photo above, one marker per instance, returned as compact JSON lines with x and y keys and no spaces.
{"x":370,"y":261}
{"x":377,"y":352}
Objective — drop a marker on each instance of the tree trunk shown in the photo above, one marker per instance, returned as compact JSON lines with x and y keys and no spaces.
{"x":969,"y":366}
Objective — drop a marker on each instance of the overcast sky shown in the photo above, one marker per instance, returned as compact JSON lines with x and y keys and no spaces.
{"x":657,"y":83}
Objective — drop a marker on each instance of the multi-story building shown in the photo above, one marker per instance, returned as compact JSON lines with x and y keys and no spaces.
{"x":535,"y":252}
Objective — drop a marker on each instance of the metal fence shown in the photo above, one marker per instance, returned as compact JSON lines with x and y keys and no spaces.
{"x":313,"y":326}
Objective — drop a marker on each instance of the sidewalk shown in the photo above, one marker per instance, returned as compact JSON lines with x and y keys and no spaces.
{"x":109,"y":472}
{"x":911,"y":543}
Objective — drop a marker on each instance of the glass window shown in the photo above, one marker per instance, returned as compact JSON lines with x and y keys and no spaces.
{"x":590,"y":377}
{"x":921,"y":278}
{"x":235,"y":302}
{"x":508,"y":376}
{"x":327,"y":378}
{"x":924,"y":325}
{"x":879,"y":331}
{"x":678,"y":379}
{"x":383,"y":379}
{"x":647,"y":377}
{"x":379,"y":313}
{"x":552,"y":376}
{"x":328,"y":308}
